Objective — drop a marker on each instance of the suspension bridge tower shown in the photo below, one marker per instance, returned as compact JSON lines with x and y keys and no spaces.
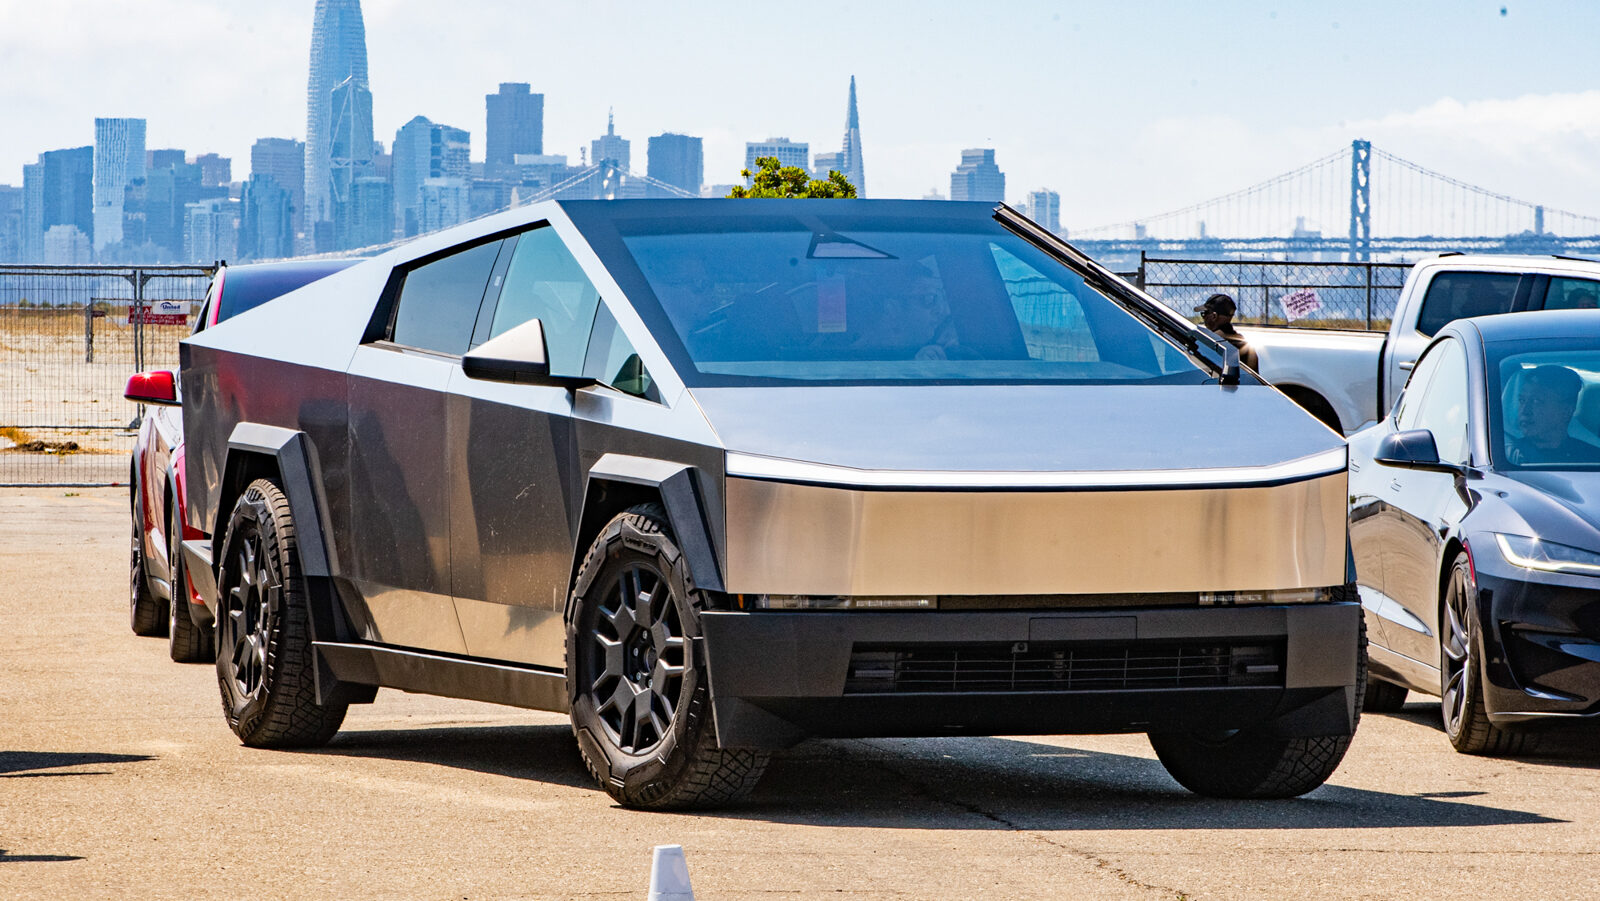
{"x":1360,"y":201}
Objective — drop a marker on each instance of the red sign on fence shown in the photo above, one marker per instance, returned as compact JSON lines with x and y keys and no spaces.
{"x":159,"y":312}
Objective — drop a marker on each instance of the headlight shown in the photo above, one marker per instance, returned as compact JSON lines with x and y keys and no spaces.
{"x":1546,"y":556}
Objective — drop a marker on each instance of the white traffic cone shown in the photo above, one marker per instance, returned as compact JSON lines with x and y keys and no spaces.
{"x":669,"y":875}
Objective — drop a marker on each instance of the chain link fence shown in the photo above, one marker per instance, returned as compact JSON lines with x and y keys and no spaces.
{"x":1271,"y":292}
{"x":69,"y":338}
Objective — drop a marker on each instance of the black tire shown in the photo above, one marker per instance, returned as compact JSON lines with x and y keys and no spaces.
{"x":1466,"y":722}
{"x":1248,"y":764}
{"x":265,"y":663}
{"x":641,"y":708}
{"x":146,"y":614}
{"x":1384,"y":697}
{"x":186,"y":641}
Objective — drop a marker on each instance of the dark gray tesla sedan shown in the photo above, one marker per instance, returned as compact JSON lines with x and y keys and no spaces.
{"x":1475,"y":519}
{"x":714,"y":476}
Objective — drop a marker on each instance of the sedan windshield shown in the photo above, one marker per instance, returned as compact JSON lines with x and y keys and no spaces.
{"x":852,"y":297}
{"x":1544,"y":404}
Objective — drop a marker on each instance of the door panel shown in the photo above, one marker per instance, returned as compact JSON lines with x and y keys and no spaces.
{"x":516,"y":496}
{"x":400,"y":515}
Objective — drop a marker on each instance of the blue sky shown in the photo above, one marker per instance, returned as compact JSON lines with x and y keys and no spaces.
{"x":1127,"y":109}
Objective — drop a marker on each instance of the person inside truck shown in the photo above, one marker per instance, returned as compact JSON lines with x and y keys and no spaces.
{"x":1545,"y":401}
{"x":1216,"y":314}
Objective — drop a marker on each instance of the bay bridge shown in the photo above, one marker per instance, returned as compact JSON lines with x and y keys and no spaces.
{"x":1393,"y":208}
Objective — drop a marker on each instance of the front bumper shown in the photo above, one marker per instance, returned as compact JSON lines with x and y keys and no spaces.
{"x":1544,"y":659}
{"x":778,"y":677}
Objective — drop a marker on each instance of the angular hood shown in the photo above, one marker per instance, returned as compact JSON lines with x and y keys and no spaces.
{"x":1010,"y":428}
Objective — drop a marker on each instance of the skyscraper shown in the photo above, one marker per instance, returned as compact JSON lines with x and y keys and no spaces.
{"x":338,"y":52}
{"x":789,"y":153}
{"x":978,"y":178}
{"x":284,"y":160}
{"x":850,"y":157}
{"x":10,"y":224}
{"x":424,"y":150}
{"x":515,"y":124}
{"x":58,"y":190}
{"x":609,"y":146}
{"x":118,"y":159}
{"x":1044,"y":207}
{"x":677,"y":160}
{"x":215,"y":169}
{"x":266,"y":230}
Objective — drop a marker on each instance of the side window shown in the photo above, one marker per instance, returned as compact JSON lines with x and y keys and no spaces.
{"x":1572,"y":294}
{"x":1443,"y":410}
{"x":544,"y":282}
{"x":439,"y":300}
{"x":1459,"y":295}
{"x":612,"y":361}
{"x":1409,"y":406}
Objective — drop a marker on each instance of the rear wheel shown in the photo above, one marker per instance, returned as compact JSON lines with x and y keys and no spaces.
{"x":265,"y":662}
{"x":641,"y":708}
{"x":1466,"y":722}
{"x":145,"y":613}
{"x":186,"y":641}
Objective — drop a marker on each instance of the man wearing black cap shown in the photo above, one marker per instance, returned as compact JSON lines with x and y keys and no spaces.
{"x":1216,"y":314}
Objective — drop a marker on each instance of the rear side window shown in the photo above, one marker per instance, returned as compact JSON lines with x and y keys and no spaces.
{"x":1572,"y":294}
{"x":1461,"y":295}
{"x":439,"y":300}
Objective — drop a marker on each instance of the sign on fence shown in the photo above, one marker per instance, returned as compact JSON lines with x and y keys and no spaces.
{"x":1300,"y":304}
{"x":159,"y":312}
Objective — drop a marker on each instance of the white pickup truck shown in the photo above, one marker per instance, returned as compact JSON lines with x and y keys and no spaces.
{"x":1345,"y":378}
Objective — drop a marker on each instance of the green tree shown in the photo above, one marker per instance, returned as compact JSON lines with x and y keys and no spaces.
{"x":772,"y":180}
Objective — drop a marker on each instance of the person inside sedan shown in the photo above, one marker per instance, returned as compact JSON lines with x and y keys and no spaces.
{"x":1547,"y":398}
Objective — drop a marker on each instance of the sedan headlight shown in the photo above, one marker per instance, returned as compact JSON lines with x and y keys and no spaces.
{"x":1547,"y":556}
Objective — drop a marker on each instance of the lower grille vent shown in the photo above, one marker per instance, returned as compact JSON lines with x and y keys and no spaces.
{"x":1025,"y":666}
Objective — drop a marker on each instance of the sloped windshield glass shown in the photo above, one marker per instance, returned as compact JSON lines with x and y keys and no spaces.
{"x":859,"y":298}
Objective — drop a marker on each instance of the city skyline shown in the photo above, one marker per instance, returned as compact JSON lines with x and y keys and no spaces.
{"x":1128,"y":115}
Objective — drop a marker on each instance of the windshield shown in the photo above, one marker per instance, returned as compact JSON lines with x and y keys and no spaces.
{"x":859,"y":298}
{"x":1544,"y":404}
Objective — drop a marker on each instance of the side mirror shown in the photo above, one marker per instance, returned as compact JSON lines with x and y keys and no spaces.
{"x":154,"y":387}
{"x":1414,"y":449}
{"x":518,"y":356}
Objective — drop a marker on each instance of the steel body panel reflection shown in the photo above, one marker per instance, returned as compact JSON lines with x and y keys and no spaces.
{"x":786,"y":538}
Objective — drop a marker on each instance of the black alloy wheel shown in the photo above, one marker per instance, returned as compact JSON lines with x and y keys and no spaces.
{"x":1461,"y":703}
{"x":636,"y":659}
{"x":145,"y":615}
{"x":641,"y":706}
{"x":265,"y":662}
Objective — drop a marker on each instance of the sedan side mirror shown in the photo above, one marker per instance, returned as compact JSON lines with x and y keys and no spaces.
{"x":154,"y":387}
{"x":1414,"y":449}
{"x":519,"y":355}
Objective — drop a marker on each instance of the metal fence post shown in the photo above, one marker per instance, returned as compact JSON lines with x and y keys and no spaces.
{"x":1369,"y":296}
{"x":88,"y":331}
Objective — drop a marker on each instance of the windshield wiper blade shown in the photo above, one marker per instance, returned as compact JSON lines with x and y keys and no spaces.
{"x":1152,"y":311}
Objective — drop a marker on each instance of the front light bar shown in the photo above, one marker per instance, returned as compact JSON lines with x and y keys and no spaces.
{"x":1546,"y":556}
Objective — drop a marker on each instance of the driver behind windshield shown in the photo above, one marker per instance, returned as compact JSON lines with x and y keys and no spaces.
{"x":1545,"y":404}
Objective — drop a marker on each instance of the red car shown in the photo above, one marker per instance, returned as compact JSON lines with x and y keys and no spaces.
{"x":156,"y":483}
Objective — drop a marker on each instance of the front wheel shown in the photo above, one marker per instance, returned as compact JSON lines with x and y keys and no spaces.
{"x":1466,"y":722}
{"x":641,"y":708}
{"x":265,"y":662}
{"x":1248,"y":764}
